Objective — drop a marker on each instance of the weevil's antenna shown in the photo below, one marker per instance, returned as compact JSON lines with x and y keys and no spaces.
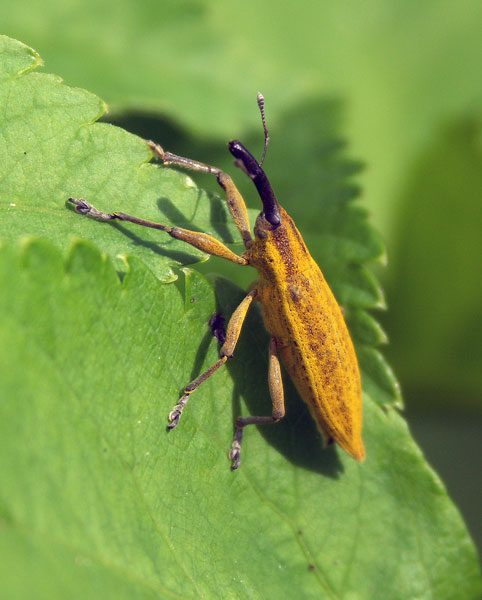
{"x":263,"y":119}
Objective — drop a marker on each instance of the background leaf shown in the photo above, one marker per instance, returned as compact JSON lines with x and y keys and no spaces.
{"x":436,"y":287}
{"x":95,"y":495}
{"x":402,"y":67}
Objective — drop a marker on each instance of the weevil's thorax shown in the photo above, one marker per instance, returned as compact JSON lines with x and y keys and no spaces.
{"x":278,"y":252}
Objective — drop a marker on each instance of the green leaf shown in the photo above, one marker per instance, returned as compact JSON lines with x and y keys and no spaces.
{"x":51,"y":149}
{"x":96,"y":498}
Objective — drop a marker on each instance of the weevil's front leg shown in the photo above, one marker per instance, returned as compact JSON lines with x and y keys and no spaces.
{"x":227,"y":349}
{"x":199,"y":240}
{"x":236,"y":204}
{"x":277,"y":398}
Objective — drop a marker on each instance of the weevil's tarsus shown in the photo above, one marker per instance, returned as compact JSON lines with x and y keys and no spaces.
{"x":176,"y":412}
{"x":84,"y":208}
{"x":263,"y":119}
{"x":168,"y":158}
{"x":277,"y":397}
{"x":235,"y":452}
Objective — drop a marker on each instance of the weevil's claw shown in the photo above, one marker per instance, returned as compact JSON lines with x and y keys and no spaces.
{"x":156,"y":148}
{"x":81,"y":206}
{"x":235,"y":452}
{"x":84,"y":208}
{"x":174,"y":417}
{"x":176,"y":412}
{"x":235,"y":455}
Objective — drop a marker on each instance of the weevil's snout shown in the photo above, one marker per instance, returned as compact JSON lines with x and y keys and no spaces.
{"x":250,"y":166}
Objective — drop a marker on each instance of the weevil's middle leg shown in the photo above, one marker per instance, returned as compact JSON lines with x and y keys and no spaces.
{"x":236,"y":204}
{"x":277,"y":397}
{"x":227,"y":349}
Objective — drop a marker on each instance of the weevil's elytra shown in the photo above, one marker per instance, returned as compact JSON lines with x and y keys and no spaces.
{"x":306,"y":324}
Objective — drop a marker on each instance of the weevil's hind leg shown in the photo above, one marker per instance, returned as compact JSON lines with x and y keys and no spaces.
{"x":277,"y":398}
{"x":235,"y":202}
{"x":227,"y":349}
{"x":199,"y":240}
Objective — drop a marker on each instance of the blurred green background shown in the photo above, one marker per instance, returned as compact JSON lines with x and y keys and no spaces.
{"x":398,"y":81}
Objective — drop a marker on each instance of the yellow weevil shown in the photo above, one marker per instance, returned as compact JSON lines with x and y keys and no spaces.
{"x":301,"y":314}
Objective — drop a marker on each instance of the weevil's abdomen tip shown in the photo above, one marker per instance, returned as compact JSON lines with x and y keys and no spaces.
{"x":358,"y":452}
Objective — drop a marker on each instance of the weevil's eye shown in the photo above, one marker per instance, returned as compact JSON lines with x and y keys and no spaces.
{"x":261,"y":234}
{"x":262,"y":227}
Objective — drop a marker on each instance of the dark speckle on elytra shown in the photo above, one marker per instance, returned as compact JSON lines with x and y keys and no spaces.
{"x":294,"y":293}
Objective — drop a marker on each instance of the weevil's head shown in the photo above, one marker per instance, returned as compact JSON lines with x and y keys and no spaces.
{"x":270,"y":217}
